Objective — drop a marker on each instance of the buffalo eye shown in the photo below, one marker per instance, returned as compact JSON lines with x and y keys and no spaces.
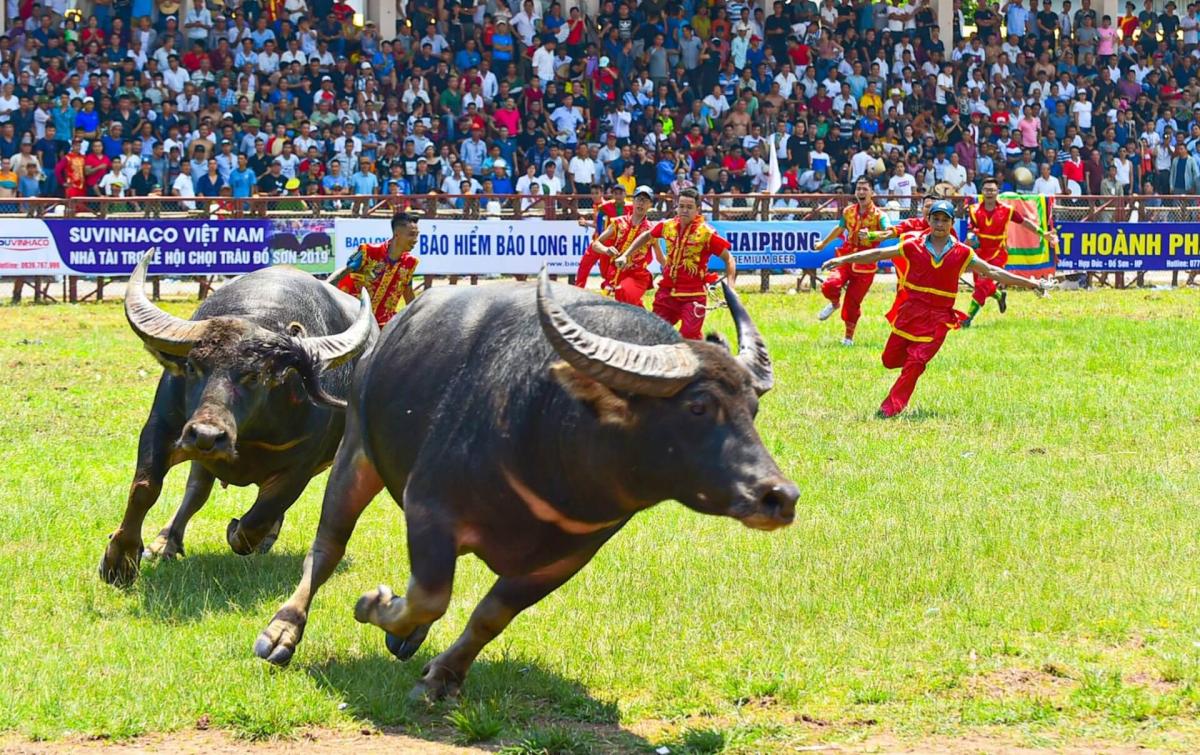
{"x":191,"y":368}
{"x":698,"y":407}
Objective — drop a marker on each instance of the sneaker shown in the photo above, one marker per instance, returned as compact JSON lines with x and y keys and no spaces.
{"x":1003,"y":301}
{"x":847,"y":341}
{"x":967,"y":322}
{"x":826,"y":311}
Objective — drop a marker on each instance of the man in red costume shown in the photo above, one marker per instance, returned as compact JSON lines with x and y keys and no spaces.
{"x":989,"y":222}
{"x":934,"y":261}
{"x":855,"y":279}
{"x":385,"y":270}
{"x":682,"y":291}
{"x":915,"y":224}
{"x":629,"y":279}
{"x":613,"y":208}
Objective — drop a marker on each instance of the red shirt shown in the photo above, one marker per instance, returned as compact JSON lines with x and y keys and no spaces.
{"x":991,"y":226}
{"x":924,"y":305}
{"x":854,"y":221}
{"x":372,"y":266}
{"x":688,"y":250}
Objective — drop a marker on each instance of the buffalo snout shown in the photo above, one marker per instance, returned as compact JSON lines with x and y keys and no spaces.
{"x":771,"y":506}
{"x":206,"y":439}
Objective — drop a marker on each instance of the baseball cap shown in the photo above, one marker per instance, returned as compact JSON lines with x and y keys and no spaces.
{"x":943,"y":206}
{"x":643,"y":191}
{"x":501,"y":163}
{"x":604,"y":62}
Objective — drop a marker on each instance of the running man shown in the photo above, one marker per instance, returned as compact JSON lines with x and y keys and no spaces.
{"x":934,"y":260}
{"x":629,"y":279}
{"x":613,"y":208}
{"x":989,"y":223}
{"x":915,"y":224}
{"x":855,"y":279}
{"x":682,"y":291}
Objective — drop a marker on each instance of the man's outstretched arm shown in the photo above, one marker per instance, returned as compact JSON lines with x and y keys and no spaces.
{"x":1000,"y":275}
{"x":862,"y":258}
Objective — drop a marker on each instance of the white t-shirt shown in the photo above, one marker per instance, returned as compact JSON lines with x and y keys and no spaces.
{"x":113,"y":184}
{"x":583,"y":170}
{"x":1082,"y":110}
{"x":176,"y":79}
{"x":543,"y":64}
{"x":1048,"y":187}
{"x":183,"y":187}
{"x":903,"y":187}
{"x":550,"y":185}
{"x":955,"y":174}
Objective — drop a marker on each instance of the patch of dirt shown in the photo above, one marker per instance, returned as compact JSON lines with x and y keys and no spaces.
{"x":1152,"y":682}
{"x":1016,"y":682}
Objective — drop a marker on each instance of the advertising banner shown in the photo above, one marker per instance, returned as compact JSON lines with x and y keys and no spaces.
{"x":112,"y":246}
{"x":775,"y":246}
{"x":477,"y":247}
{"x":1129,"y":247}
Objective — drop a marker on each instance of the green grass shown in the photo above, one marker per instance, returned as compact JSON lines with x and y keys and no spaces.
{"x":1017,"y":558}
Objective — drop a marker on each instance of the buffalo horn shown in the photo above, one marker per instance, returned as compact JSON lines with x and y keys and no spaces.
{"x":661,"y":370}
{"x":160,"y":331}
{"x":752,"y":351}
{"x":335,"y":350}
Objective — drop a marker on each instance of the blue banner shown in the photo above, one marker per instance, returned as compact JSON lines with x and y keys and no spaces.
{"x":1128,"y":247}
{"x":782,"y":245}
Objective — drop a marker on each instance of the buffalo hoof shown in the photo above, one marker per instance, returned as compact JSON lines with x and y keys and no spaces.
{"x":119,"y":566}
{"x":437,"y":683}
{"x":277,"y":643}
{"x":244,"y":542}
{"x":164,"y":547}
{"x":272,"y":536}
{"x":370,"y":607}
{"x":405,"y":648}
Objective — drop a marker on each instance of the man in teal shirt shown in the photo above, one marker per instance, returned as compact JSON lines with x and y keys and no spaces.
{"x":242,"y":179}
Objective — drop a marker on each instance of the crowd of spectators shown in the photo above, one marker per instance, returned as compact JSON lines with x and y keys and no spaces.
{"x":302,"y":97}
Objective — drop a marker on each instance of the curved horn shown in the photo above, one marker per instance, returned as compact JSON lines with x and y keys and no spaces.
{"x":752,"y":351}
{"x":660,"y":371}
{"x":161,"y":331}
{"x":335,"y":350}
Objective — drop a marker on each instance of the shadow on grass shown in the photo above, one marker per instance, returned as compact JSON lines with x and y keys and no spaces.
{"x":188,"y":588}
{"x":508,"y":701}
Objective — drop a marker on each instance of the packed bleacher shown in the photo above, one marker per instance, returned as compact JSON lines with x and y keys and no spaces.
{"x":244,"y":98}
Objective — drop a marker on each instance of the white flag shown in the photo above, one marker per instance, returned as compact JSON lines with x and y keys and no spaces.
{"x":774,"y":177}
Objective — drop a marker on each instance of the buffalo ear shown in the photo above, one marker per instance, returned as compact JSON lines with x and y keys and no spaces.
{"x":608,"y":407}
{"x":172,"y":364}
{"x":719,"y":340}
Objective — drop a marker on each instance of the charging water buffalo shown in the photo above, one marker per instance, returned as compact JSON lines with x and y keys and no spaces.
{"x":528,"y":432}
{"x":252,"y":393}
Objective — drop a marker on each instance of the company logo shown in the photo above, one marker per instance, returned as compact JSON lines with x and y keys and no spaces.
{"x":24,"y":243}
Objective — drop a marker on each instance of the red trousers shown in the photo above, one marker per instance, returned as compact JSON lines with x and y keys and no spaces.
{"x":856,"y":285}
{"x":926,"y":329}
{"x":589,"y":261}
{"x":985,"y":287}
{"x":631,"y":287}
{"x":688,"y":311}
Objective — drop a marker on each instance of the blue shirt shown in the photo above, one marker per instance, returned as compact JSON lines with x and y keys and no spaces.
{"x":242,"y":182}
{"x":87,"y":121}
{"x":364,"y":183}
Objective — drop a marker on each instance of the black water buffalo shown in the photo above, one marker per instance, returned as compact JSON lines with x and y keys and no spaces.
{"x":528,"y":433}
{"x":252,"y":393}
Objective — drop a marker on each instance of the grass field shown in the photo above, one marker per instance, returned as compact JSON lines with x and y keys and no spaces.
{"x":1015,"y":561}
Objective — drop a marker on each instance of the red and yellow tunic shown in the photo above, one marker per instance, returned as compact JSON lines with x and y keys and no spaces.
{"x":604,"y":215}
{"x":991,"y":227}
{"x":635,"y":266}
{"x":688,"y":250}
{"x":853,"y":221}
{"x":929,"y":288}
{"x":385,"y":278}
